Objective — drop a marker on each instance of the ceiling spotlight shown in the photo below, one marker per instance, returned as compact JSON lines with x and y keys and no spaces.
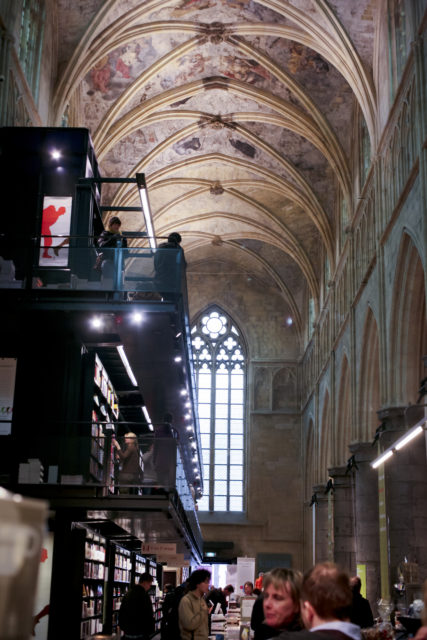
{"x":177,"y":359}
{"x":55,"y":154}
{"x":289,"y":321}
{"x":96,"y":322}
{"x":137,"y":317}
{"x":188,"y":405}
{"x":190,"y":427}
{"x":183,"y":392}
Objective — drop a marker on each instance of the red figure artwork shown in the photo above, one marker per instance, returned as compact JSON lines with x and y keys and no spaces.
{"x":50,"y":216}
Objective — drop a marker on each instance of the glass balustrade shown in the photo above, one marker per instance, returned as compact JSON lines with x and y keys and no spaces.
{"x":142,"y":273}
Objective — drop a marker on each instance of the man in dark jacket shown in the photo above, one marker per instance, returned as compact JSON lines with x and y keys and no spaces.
{"x":169,"y":266}
{"x":361,"y":612}
{"x":136,"y":617}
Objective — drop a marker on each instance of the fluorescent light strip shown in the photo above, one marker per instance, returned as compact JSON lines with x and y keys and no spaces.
{"x":147,"y":417}
{"x":400,"y":443}
{"x":408,"y":437}
{"x":146,"y":210}
{"x":125,"y":361}
{"x":385,"y":456}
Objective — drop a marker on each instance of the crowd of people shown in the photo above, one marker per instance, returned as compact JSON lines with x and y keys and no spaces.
{"x":290,"y":606}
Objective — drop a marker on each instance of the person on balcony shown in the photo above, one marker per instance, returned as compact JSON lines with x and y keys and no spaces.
{"x":130,"y":472}
{"x":110,"y":239}
{"x":166,"y":265}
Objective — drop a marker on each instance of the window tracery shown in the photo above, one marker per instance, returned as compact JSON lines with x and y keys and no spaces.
{"x":220,"y":363}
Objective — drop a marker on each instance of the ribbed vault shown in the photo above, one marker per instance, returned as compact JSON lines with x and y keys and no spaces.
{"x":239,"y":113}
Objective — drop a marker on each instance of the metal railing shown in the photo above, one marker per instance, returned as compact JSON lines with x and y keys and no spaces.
{"x":67,"y":265}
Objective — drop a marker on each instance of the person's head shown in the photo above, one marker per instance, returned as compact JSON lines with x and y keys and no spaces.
{"x":355,"y":584}
{"x":199,"y":581}
{"x":168,"y":587}
{"x":248,"y":588}
{"x":174,"y":237}
{"x":325,"y":595}
{"x":228,"y":590}
{"x":281,"y":588}
{"x":114,"y":224}
{"x":146,"y":580}
{"x":131,"y":438}
{"x":256,"y":592}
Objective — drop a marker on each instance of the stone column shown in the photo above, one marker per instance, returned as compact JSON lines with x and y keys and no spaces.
{"x":405,"y":481}
{"x":344,"y":539}
{"x":322,"y":529}
{"x":366,"y":523}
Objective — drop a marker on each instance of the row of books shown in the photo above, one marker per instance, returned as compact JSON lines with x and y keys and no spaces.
{"x":90,"y":627}
{"x":93,"y":570}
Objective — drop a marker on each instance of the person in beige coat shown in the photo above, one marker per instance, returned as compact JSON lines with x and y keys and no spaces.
{"x":193,"y":611}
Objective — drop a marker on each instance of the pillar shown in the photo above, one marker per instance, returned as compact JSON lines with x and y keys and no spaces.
{"x":366,"y":523}
{"x":343,"y":519}
{"x":322,"y":540}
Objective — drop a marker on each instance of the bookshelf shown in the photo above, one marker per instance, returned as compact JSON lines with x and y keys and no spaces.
{"x":101,"y":408}
{"x":122,"y":570}
{"x":94,"y":574}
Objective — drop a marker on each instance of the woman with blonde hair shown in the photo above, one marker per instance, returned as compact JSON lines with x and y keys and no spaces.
{"x":130,"y":472}
{"x":278,"y":607}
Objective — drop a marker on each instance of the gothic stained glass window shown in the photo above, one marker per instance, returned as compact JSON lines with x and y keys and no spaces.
{"x":30,"y":41}
{"x":220,"y":364}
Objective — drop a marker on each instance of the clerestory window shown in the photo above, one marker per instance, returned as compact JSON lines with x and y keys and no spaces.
{"x":220,"y":364}
{"x":30,"y":42}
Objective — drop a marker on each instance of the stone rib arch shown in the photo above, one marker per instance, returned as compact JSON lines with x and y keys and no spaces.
{"x":343,"y":418}
{"x":338,"y":51}
{"x":288,"y":189}
{"x":134,"y":119}
{"x":324,"y":138}
{"x":259,"y":234}
{"x":236,"y":194}
{"x":369,"y":381}
{"x":408,"y":328}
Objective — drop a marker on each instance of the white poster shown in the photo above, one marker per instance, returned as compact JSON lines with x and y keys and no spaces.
{"x":56,"y":221}
{"x":245,"y":572}
{"x":7,"y":392}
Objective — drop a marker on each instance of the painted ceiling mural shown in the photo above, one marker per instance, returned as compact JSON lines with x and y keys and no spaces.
{"x":238,"y":112}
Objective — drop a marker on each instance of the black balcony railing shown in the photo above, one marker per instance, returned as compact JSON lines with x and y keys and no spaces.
{"x":75,"y":264}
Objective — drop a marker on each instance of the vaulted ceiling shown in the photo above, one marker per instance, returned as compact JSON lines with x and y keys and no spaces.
{"x":240,"y":113}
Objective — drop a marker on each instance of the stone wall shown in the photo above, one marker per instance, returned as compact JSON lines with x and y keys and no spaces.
{"x":273,"y":522}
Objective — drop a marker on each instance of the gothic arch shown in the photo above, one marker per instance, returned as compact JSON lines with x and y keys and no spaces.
{"x":408,"y":328}
{"x":310,"y":461}
{"x":369,"y":386}
{"x":343,"y":418}
{"x":325,"y":458}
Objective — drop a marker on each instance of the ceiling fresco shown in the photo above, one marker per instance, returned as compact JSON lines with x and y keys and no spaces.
{"x":240,"y":115}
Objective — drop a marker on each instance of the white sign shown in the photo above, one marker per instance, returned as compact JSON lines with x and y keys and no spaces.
{"x":245,"y":572}
{"x":56,"y":221}
{"x":153,"y":548}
